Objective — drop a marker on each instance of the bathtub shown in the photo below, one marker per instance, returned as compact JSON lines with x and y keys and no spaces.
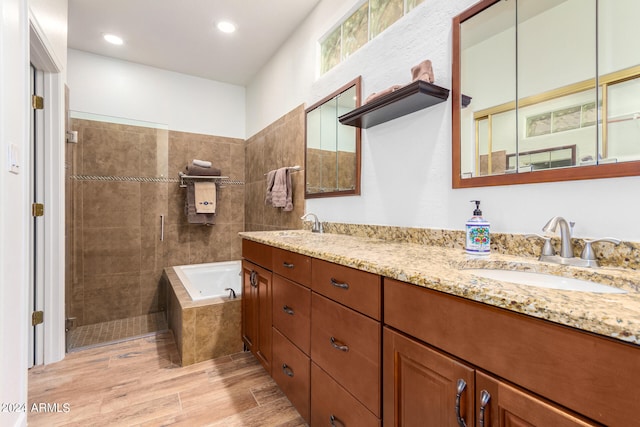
{"x":204,"y":281}
{"x":205,"y":321}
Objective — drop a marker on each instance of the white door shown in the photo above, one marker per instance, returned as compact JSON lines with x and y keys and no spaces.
{"x":36,"y":281}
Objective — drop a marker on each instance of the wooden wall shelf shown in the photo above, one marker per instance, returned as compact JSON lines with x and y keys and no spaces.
{"x":408,"y":99}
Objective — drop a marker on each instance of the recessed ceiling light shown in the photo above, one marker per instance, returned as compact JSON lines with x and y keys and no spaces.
{"x":226,"y":27}
{"x":113,"y":39}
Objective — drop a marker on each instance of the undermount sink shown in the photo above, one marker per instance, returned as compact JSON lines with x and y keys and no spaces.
{"x":542,"y":280}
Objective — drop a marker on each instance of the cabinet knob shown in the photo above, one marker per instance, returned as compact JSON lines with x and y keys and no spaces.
{"x":461,"y":386}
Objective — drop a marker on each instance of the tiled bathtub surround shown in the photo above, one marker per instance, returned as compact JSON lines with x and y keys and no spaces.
{"x":204,"y":329}
{"x":625,"y":255}
{"x":113,"y":226}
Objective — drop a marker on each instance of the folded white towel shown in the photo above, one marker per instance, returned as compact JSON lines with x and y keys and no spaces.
{"x":205,"y":195}
{"x":202,"y":163}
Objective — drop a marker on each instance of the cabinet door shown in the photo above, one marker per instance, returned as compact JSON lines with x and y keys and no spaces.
{"x":507,"y":406}
{"x":256,"y":312}
{"x":422,"y":387}
{"x":249,"y":307}
{"x":263,"y":352}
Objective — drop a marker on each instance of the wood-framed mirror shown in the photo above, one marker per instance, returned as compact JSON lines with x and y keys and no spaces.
{"x":553,"y":96}
{"x":332,"y":155}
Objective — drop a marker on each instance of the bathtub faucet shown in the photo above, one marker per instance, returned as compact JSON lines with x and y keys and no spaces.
{"x":232,"y":293}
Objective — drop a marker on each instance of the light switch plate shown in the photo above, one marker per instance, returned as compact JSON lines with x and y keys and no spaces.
{"x":13,"y":157}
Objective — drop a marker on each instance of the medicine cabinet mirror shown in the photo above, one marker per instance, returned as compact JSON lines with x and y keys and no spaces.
{"x":332,"y":159}
{"x":554,"y":96}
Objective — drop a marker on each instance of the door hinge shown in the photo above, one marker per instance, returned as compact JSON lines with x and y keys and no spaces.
{"x":37,"y":102}
{"x":37,"y":209}
{"x":37,"y":317}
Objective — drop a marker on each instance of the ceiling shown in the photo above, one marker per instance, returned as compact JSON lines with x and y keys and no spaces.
{"x":181,"y":35}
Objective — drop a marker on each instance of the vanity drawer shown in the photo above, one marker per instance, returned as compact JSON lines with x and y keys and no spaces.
{"x":332,"y":404}
{"x":292,"y":311}
{"x":257,"y":253}
{"x":347,"y":345}
{"x":356,"y":289}
{"x":290,"y":370}
{"x":291,"y":265}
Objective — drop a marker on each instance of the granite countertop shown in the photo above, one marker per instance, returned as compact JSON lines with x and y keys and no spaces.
{"x":442,"y":269}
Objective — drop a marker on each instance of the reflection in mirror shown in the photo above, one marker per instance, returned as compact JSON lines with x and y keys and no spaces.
{"x":544,"y":106}
{"x":332,"y":149}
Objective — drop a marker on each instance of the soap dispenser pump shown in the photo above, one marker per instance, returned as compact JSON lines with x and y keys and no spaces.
{"x":478,"y":241}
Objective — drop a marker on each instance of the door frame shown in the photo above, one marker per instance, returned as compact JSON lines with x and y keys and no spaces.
{"x":40,"y":55}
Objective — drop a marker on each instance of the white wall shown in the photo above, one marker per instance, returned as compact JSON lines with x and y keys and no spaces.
{"x":50,"y":19}
{"x":406,"y":163}
{"x":101,"y":85}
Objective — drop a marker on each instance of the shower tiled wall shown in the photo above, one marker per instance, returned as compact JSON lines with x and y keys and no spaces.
{"x":114,"y":225}
{"x":278,"y":145}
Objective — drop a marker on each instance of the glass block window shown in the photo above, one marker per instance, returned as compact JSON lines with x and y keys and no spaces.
{"x":354,"y":31}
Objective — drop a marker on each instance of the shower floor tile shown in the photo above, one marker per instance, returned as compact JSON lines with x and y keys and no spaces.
{"x":116,"y":330}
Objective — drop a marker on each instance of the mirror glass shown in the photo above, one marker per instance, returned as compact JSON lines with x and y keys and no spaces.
{"x":553,"y":95}
{"x":332,"y":149}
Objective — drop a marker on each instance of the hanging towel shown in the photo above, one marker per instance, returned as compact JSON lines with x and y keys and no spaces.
{"x":268,"y":198}
{"x":193,"y":217}
{"x":205,"y":197}
{"x":281,"y":190}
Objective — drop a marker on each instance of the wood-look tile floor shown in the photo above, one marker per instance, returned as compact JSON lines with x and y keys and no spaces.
{"x":140,"y":383}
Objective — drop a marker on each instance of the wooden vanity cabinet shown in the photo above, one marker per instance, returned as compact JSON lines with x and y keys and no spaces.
{"x":256,"y":301}
{"x":425,"y":387}
{"x":346,"y":343}
{"x":291,"y":327}
{"x":256,"y":312}
{"x":538,"y":373}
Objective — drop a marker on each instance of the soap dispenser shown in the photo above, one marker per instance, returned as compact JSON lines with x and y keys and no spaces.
{"x":478,"y":241}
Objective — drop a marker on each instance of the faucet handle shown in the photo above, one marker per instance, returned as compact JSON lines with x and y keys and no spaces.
{"x":547,"y":247}
{"x":587,"y":251}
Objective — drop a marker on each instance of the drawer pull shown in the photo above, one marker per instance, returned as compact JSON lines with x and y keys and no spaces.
{"x":287,"y":310}
{"x":462,"y":385}
{"x":339,"y":346}
{"x":333,"y":420}
{"x":337,"y":284}
{"x":484,"y":401}
{"x":287,"y":370}
{"x":287,"y":265}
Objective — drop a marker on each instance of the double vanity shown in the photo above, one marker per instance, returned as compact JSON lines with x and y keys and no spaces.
{"x":364,"y":331}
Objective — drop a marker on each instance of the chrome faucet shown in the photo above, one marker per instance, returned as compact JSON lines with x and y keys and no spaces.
{"x":232,"y":293}
{"x":566,"y":248}
{"x":317,"y":225}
